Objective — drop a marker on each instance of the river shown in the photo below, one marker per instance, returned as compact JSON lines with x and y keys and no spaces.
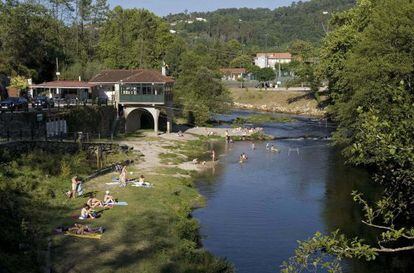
{"x":257,"y":211}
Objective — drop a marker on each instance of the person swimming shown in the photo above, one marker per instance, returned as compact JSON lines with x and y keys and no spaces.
{"x":273,"y":149}
{"x":243,"y":157}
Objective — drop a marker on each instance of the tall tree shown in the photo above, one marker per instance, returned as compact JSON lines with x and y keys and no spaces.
{"x":29,"y":43}
{"x":133,"y":38}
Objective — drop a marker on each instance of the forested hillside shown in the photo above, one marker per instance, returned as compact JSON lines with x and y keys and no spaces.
{"x":263,"y":28}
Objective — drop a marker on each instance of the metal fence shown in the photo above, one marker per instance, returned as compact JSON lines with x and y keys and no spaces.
{"x":25,"y":135}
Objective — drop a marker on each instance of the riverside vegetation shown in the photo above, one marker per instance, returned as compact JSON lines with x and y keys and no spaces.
{"x":154,"y":233}
{"x":367,"y":61}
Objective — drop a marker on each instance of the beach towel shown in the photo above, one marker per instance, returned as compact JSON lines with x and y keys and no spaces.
{"x":142,"y":185}
{"x":112,"y":183}
{"x":88,"y":235}
{"x":114,"y":179}
{"x":118,"y":204}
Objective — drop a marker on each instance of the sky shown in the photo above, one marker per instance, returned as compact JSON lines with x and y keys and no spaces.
{"x":164,"y":7}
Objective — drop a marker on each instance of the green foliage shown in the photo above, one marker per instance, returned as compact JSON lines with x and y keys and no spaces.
{"x":133,"y":38}
{"x":28,"y":186}
{"x":200,"y":92}
{"x":85,"y":71}
{"x":325,"y":252}
{"x":368,"y":62}
{"x":242,"y":61}
{"x":305,"y":66}
{"x":29,"y":44}
{"x":261,"y":28}
{"x":264,"y":74}
{"x":19,"y":83}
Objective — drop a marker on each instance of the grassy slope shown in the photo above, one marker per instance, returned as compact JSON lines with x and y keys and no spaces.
{"x":282,"y":101}
{"x":154,"y":233}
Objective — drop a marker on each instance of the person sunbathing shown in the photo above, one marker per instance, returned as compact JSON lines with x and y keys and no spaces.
{"x":142,"y":181}
{"x":94,"y":202}
{"x":84,"y":229}
{"x":108,"y":199}
{"x":87,"y":212}
{"x":78,"y":229}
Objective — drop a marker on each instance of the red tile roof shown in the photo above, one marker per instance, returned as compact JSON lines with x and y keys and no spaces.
{"x":148,"y":76}
{"x":64,"y":84}
{"x":113,"y":75}
{"x":232,"y":70}
{"x":131,"y":76}
{"x":281,"y":55}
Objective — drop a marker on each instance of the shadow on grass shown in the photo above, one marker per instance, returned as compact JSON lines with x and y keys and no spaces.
{"x":133,"y":240}
{"x":307,"y":96}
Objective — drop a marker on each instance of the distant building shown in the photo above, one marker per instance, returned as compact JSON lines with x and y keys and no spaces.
{"x":172,"y":31}
{"x":264,"y":60}
{"x":199,"y":19}
{"x":233,"y":74}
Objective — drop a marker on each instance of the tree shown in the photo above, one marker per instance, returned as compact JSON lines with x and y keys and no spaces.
{"x":133,"y":38}
{"x":305,"y":66}
{"x":265,"y":74}
{"x":242,"y":61}
{"x":199,"y":90}
{"x":371,"y":79}
{"x":29,"y":43}
{"x":19,"y":82}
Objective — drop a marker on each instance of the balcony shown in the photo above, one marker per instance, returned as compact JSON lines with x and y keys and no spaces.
{"x":142,"y":99}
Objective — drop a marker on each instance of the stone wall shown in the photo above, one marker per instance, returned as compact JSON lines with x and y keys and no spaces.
{"x":32,"y":125}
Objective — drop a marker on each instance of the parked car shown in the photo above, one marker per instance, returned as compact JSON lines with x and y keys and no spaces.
{"x":14,"y":103}
{"x":43,"y":102}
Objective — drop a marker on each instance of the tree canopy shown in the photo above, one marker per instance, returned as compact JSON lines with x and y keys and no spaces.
{"x":368,"y":62}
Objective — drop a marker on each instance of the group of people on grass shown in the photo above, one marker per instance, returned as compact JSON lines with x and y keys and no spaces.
{"x":88,"y":210}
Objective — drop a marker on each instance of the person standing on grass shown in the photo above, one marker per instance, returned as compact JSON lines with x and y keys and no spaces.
{"x":75,"y":182}
{"x":123,"y":177}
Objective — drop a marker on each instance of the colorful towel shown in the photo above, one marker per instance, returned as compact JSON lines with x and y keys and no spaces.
{"x":88,"y":236}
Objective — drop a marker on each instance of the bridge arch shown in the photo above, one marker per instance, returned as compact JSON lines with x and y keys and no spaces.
{"x":141,"y":118}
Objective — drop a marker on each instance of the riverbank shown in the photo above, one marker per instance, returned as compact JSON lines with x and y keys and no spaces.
{"x":155,"y":232}
{"x":290,"y":102}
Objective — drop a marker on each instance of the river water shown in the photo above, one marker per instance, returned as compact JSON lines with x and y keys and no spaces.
{"x":257,"y":211}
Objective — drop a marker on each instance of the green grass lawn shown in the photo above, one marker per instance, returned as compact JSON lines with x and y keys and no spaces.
{"x":154,"y":233}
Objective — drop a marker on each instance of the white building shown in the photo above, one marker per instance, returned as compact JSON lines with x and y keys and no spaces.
{"x":263,"y":60}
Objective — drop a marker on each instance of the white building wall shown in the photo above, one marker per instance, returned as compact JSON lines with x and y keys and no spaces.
{"x":264,"y":62}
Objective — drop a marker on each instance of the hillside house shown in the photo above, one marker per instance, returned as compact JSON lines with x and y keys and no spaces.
{"x":272,"y":60}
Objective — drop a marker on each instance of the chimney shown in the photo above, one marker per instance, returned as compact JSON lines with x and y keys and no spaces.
{"x":163,"y":69}
{"x":80,"y":79}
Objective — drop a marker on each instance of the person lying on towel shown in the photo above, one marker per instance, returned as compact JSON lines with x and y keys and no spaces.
{"x":84,"y":229}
